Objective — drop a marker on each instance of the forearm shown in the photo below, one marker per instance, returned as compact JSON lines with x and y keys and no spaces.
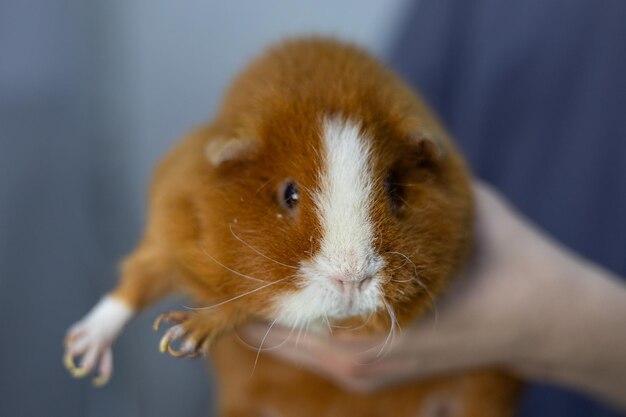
{"x":582,"y":343}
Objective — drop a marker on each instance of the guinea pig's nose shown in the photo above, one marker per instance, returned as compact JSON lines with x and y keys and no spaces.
{"x":351,"y":283}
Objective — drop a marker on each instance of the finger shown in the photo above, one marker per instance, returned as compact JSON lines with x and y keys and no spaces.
{"x":342,"y":351}
{"x":345,"y":370}
{"x":340,"y":355}
{"x":281,"y":337}
{"x":338,"y":344}
{"x":261,"y":339}
{"x":258,"y":331}
{"x":298,"y":357}
{"x":338,"y":340}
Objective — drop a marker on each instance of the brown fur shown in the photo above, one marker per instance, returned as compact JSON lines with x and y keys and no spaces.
{"x":200,"y":212}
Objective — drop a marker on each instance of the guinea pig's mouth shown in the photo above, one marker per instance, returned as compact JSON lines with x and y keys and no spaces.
{"x":323,"y":300}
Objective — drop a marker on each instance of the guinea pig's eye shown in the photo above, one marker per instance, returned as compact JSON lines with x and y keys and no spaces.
{"x":289,"y":195}
{"x":394,"y":192}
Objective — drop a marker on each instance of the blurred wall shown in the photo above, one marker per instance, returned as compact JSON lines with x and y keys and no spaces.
{"x":91,"y":93}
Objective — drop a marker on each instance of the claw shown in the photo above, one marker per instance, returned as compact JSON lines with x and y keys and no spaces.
{"x":157,"y":322}
{"x":70,"y":365}
{"x":171,"y":317}
{"x":104,"y":370}
{"x":68,"y":361}
{"x":169,"y":336}
{"x":189,"y":349}
{"x":192,"y":341}
{"x":100,"y":381}
{"x":80,"y":372}
{"x":204,"y":347}
{"x":175,"y":353}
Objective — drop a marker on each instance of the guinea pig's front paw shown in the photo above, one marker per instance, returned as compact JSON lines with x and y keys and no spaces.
{"x":91,"y":338}
{"x":93,"y":353}
{"x":194,"y":332}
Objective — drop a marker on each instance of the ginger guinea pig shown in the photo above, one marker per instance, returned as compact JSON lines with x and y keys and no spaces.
{"x":323,"y":192}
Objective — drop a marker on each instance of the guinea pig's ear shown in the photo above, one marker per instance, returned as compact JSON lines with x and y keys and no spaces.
{"x":427,"y":148}
{"x":220,"y":150}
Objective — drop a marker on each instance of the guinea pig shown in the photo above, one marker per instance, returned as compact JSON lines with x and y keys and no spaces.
{"x":323,"y":191}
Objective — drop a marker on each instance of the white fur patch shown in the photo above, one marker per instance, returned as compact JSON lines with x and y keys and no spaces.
{"x":109,"y":316}
{"x":344,"y":203}
{"x":345,"y":199}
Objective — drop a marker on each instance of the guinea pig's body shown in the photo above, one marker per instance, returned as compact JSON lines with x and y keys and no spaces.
{"x":279,"y":389}
{"x":323,"y":193}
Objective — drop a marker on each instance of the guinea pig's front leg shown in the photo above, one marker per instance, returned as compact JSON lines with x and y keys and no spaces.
{"x":147,"y":275}
{"x":195,"y":330}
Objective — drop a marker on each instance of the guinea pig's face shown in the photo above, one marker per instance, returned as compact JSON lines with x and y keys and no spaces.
{"x":339,"y":217}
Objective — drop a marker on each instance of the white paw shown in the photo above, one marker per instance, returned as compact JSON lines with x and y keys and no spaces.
{"x":91,"y":338}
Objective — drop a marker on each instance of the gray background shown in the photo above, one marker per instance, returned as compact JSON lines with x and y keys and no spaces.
{"x":91,"y":93}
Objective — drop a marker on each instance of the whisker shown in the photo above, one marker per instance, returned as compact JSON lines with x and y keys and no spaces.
{"x":299,"y":334}
{"x":263,"y":185}
{"x":306,"y":330}
{"x":400,"y":267}
{"x":364,"y":323}
{"x":237,"y":297}
{"x":360,"y":326}
{"x":230,"y":269}
{"x":337,"y":326}
{"x":378,"y":238}
{"x":258,"y":353}
{"x":306,"y":189}
{"x":406,"y":259}
{"x":249,"y":346}
{"x":330,"y":329}
{"x":419,"y":282}
{"x":402,"y":280}
{"x":381,"y":343}
{"x":407,"y":184}
{"x":391,"y":334}
{"x":230,"y":226}
{"x":433,"y":305}
{"x":277,"y":346}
